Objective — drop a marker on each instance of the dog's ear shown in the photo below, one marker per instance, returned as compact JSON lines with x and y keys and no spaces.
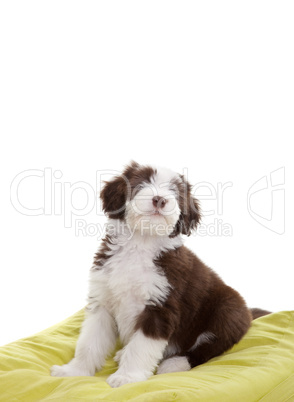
{"x":190,"y":218}
{"x":113,"y":196}
{"x":190,"y":215}
{"x":133,"y":165}
{"x":117,"y":191}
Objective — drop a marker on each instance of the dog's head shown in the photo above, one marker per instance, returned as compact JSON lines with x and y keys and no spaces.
{"x":155,"y":201}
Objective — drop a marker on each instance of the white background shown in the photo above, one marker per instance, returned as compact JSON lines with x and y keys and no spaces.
{"x":88,"y":86}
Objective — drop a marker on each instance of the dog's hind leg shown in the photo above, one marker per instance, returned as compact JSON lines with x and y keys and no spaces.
{"x":228,"y":322}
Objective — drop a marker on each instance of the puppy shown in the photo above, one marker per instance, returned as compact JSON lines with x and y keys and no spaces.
{"x":169,"y":309}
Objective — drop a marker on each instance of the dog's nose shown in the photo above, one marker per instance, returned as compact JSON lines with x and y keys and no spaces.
{"x":159,"y":202}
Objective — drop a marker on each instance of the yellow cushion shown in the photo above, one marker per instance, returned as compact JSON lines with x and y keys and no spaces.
{"x":260,"y":367}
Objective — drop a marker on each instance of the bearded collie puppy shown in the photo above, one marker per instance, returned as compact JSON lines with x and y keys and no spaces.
{"x":169,"y":309}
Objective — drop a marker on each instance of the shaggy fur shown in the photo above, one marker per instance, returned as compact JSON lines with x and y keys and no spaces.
{"x":169,"y":309}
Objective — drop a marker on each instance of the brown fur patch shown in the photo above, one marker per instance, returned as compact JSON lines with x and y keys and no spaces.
{"x":199,"y":302}
{"x":101,"y":256}
{"x":190,"y":209}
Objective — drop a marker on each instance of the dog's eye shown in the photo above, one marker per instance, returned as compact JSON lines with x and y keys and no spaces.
{"x":174,"y":188}
{"x":137,"y":189}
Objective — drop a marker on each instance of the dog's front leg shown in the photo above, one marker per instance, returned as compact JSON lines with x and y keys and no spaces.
{"x":138,"y":360}
{"x":97,"y":338}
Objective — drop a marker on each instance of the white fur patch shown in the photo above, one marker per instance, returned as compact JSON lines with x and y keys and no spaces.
{"x":129,"y":280}
{"x":173,"y":365}
{"x":140,"y":210}
{"x":205,"y":337}
{"x":97,"y":339}
{"x":138,"y":360}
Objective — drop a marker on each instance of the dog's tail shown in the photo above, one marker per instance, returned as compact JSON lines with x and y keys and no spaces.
{"x":258,"y":312}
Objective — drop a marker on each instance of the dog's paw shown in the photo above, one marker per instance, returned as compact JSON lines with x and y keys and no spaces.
{"x":173,"y":365}
{"x":117,"y":380}
{"x":60,"y":371}
{"x":68,"y":370}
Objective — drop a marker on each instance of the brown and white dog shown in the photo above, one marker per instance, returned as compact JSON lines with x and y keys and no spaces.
{"x":169,"y":309}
